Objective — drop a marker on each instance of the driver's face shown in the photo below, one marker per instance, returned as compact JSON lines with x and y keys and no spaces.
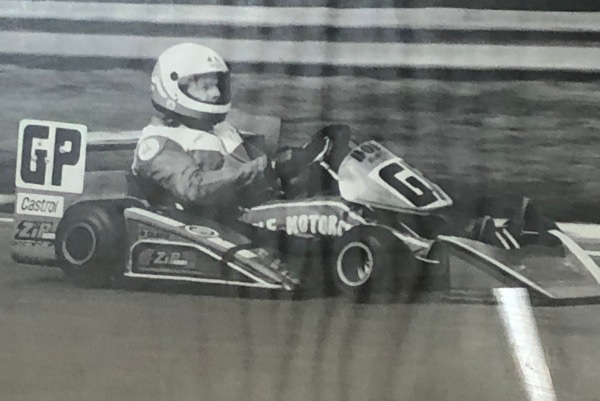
{"x":204,"y":88}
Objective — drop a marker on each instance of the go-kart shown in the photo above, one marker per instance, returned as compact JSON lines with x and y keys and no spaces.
{"x":364,"y":220}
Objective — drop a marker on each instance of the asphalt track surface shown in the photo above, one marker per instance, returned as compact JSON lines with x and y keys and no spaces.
{"x":58,"y":342}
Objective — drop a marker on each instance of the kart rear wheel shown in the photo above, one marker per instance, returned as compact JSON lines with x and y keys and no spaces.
{"x":89,"y":245}
{"x":368,"y":266}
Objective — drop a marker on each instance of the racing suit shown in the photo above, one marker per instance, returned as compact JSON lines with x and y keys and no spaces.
{"x":197,"y":168}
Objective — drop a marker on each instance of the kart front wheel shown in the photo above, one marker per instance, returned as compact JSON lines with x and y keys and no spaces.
{"x":366,"y":264}
{"x":89,"y":245}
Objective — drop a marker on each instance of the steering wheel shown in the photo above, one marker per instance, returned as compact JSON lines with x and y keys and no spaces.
{"x":330,"y":144}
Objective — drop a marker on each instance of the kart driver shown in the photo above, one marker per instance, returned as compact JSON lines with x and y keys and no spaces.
{"x":189,"y":154}
{"x":188,"y":151}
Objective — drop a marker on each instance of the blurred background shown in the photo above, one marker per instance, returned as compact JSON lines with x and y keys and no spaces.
{"x":494,"y":99}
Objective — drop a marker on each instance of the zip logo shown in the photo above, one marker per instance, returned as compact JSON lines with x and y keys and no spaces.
{"x":34,"y":231}
{"x":51,"y":156}
{"x":162,"y":258}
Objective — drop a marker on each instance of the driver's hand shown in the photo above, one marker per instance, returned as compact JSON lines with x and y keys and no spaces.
{"x":265,"y":166}
{"x":261,"y":162}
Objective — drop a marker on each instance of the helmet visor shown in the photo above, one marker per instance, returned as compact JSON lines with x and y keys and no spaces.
{"x":210,"y":88}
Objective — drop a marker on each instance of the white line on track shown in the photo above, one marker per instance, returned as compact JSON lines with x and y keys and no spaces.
{"x":6,"y":220}
{"x":519,"y":324}
{"x":419,"y":18}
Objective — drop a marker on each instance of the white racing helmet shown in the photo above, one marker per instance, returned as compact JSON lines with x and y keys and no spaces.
{"x":174,"y":68}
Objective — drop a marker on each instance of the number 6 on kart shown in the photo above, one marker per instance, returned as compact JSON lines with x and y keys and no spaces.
{"x":51,"y":156}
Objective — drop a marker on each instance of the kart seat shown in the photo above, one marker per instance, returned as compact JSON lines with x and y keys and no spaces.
{"x":162,"y":202}
{"x":148,"y":190}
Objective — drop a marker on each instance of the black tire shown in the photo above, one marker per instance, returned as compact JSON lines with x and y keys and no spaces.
{"x":90,"y":244}
{"x":369,"y":265}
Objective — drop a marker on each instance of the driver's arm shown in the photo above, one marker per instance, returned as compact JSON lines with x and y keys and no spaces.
{"x":192,"y":181}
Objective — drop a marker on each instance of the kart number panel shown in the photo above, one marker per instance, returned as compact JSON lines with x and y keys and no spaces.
{"x":372,"y":174}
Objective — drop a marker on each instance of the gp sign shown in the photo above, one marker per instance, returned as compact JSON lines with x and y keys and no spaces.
{"x":51,"y":156}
